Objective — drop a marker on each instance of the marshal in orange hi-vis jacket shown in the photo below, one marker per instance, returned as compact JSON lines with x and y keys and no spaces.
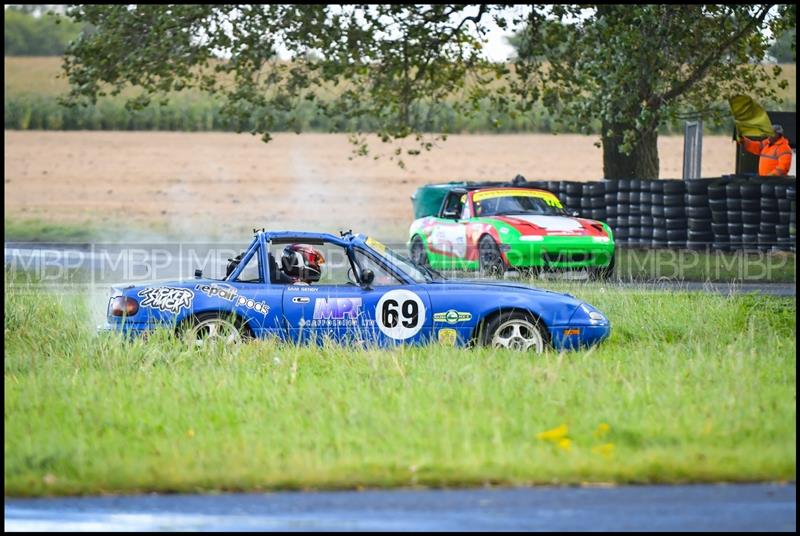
{"x":774,"y":152}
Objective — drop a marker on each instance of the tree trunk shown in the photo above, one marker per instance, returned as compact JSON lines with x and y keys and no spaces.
{"x":642,"y":163}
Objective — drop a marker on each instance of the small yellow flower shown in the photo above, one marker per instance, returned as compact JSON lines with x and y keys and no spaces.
{"x":565,"y":444}
{"x":556,"y":434}
{"x":606,"y":449}
{"x":190,"y":433}
{"x":602,"y":430}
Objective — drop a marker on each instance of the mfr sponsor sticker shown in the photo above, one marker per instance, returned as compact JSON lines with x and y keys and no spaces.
{"x":333,"y":312}
{"x":452,"y":316}
{"x":301,"y":299}
{"x":166,"y":299}
{"x":302,"y":289}
{"x":400,"y":314}
{"x":548,"y":198}
{"x":447,"y":336}
{"x":230,"y":294}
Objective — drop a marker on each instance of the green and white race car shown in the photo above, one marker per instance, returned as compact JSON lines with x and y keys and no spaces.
{"x":500,"y":228}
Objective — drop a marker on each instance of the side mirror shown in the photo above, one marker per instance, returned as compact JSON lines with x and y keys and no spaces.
{"x":367,"y":277}
{"x":198,"y":274}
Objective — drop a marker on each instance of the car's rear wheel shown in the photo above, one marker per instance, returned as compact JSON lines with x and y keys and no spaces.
{"x":490,"y":260}
{"x":215,"y":328}
{"x":515,"y":331}
{"x":418,"y":253}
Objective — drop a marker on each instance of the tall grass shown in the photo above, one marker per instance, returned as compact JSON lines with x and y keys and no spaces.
{"x":689,"y":388}
{"x":33,"y":85}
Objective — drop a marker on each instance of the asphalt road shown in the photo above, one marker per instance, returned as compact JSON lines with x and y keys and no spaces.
{"x":740,"y":507}
{"x":146,"y":264}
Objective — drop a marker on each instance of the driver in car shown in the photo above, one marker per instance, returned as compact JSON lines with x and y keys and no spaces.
{"x":302,"y":263}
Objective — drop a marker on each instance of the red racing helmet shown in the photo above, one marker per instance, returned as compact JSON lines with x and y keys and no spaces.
{"x":302,"y":262}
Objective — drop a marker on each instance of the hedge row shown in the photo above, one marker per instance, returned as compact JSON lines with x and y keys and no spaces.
{"x":40,"y":112}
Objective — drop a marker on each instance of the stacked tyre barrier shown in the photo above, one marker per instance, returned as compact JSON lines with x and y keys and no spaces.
{"x":756,"y":214}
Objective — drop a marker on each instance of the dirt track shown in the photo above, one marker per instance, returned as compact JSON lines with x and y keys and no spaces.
{"x":197,"y":183}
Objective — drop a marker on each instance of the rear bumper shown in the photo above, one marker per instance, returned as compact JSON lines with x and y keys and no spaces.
{"x":129,"y":330}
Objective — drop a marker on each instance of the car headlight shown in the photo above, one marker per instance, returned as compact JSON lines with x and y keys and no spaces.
{"x":595,"y":316}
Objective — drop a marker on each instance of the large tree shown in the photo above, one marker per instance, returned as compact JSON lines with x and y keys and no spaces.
{"x":628,"y":67}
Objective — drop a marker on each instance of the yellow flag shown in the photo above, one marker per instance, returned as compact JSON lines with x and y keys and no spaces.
{"x":751,"y":119}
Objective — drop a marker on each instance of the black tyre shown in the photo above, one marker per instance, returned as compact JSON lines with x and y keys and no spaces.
{"x":674,"y":212}
{"x":515,"y":331}
{"x":419,"y":254}
{"x":719,"y":217}
{"x":673,"y":200}
{"x":768,"y":216}
{"x":657,"y":211}
{"x":716,"y":191}
{"x":750,"y":190}
{"x":734,"y":216}
{"x":699,"y":186}
{"x":489,"y":258}
{"x":676,"y":234}
{"x":717,"y":204}
{"x":733,"y":203}
{"x":574,"y":189}
{"x":671,"y":187}
{"x":698,"y":212}
{"x":751,"y":217}
{"x":751,"y":205}
{"x":696,"y":200}
{"x":675,"y":224}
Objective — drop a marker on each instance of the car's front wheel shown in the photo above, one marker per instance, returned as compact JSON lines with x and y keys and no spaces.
{"x":515,"y":331}
{"x":215,"y":328}
{"x":490,"y":261}
{"x":418,"y":253}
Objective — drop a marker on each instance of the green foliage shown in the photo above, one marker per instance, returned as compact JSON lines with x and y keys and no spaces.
{"x":784,"y":50}
{"x":636,"y":67}
{"x":30,"y":35}
{"x":690,"y":388}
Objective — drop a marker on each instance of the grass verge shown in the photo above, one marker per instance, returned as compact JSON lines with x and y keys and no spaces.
{"x":689,"y":388}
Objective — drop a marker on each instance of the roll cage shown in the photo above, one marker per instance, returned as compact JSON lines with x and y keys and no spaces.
{"x":348,"y":241}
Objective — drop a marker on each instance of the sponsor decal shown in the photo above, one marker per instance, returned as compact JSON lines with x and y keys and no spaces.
{"x":400,"y":314}
{"x":377,"y":246}
{"x":452,"y":316}
{"x":166,"y":299}
{"x":333,"y":312}
{"x":447,"y":336}
{"x":300,"y":299}
{"x":302,"y":289}
{"x":547,"y":197}
{"x":230,"y":294}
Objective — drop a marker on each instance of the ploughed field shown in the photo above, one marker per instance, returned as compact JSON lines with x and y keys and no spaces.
{"x":210,"y":184}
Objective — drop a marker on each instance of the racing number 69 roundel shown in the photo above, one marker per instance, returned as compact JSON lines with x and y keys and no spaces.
{"x":400,"y":314}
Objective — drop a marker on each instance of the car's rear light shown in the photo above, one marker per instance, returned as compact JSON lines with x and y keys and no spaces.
{"x":124,"y":306}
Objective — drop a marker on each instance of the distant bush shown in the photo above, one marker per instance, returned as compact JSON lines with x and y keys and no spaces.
{"x":29,"y":35}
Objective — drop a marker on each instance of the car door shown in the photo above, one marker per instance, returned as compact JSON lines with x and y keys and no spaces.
{"x":336,"y":308}
{"x":448,"y":239}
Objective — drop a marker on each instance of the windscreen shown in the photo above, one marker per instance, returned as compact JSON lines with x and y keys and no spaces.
{"x":509,"y":202}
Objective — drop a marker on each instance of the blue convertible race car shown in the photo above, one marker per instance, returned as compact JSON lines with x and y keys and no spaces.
{"x":355,"y":290}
